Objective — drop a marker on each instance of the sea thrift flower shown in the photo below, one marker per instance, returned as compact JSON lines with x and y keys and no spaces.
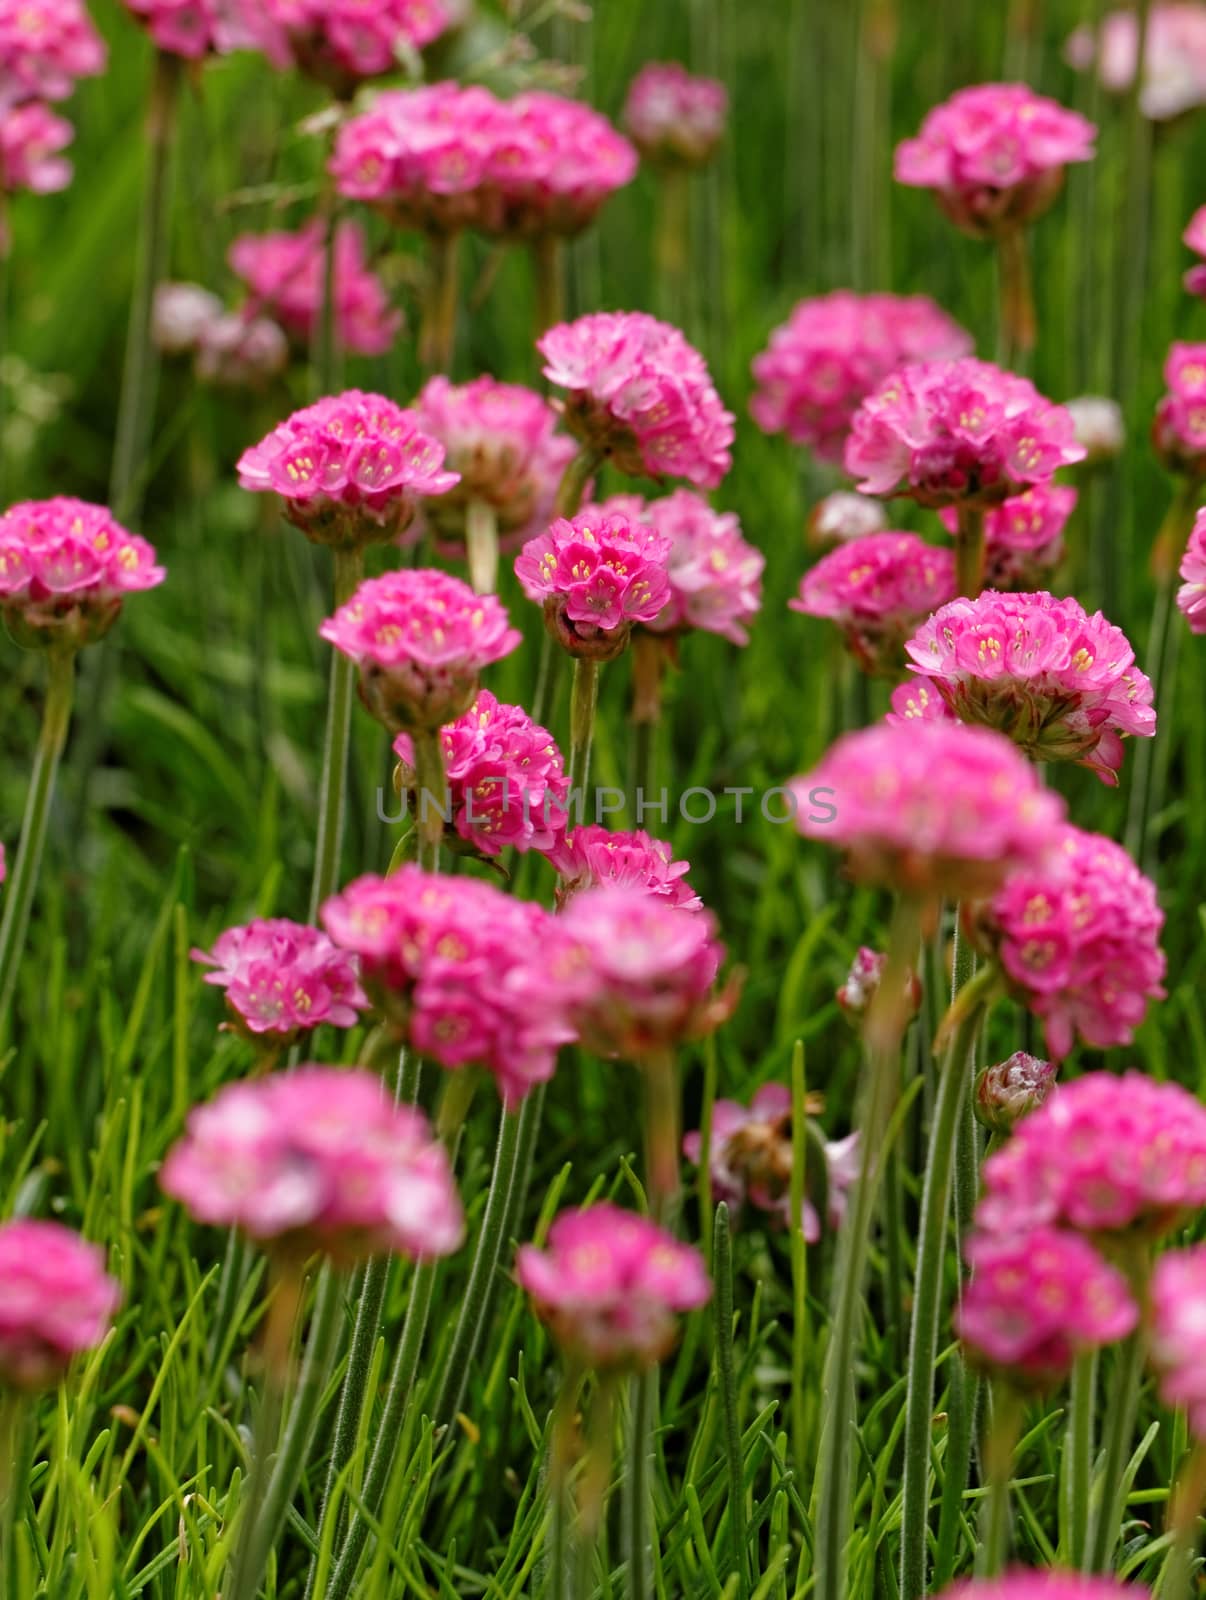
{"x":286,"y":273}
{"x":1035,"y":1300}
{"x":591,"y":855}
{"x":1048,"y":1584}
{"x":340,"y":44}
{"x":317,"y":1159}
{"x":421,"y":640}
{"x":65,"y":568}
{"x":31,"y":141}
{"x":962,"y":433}
{"x":842,"y":516}
{"x":1105,"y":1155}
{"x":1024,"y":536}
{"x":1174,"y":57}
{"x":1099,"y":427}
{"x":610,"y":1286}
{"x":595,"y":576}
{"x":1178,"y":1332}
{"x":877,"y":589}
{"x":1179,"y":429}
{"x":506,"y":778}
{"x":235,"y":351}
{"x":283,"y":980}
{"x":45,"y":46}
{"x":674,"y":117}
{"x":194,"y":29}
{"x":1062,"y":684}
{"x":832,"y":353}
{"x":1195,"y":237}
{"x":937,"y":809}
{"x":1078,"y":940}
{"x":994,"y":155}
{"x":1012,"y":1089}
{"x":641,"y":395}
{"x":180,"y":313}
{"x":467,"y":974}
{"x":350,"y":469}
{"x":1191,"y":596}
{"x":862,"y":982}
{"x":56,"y":1301}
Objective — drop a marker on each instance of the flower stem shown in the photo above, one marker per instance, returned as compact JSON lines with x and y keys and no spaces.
{"x":349,"y":570}
{"x":437,"y":333}
{"x":431,"y":797}
{"x":1120,"y":1426}
{"x":1016,"y":333}
{"x":801,"y":1330}
{"x":1002,"y":1441}
{"x":1186,"y":1502}
{"x":56,"y":718}
{"x":1078,"y":1458}
{"x":481,"y":546}
{"x":561,"y":1460}
{"x":547,"y":268}
{"x":969,"y":552}
{"x":326,"y":340}
{"x":661,"y":1135}
{"x":643,"y":1401}
{"x":671,"y":243}
{"x":584,"y":699}
{"x":574,"y":480}
{"x":13,"y":1472}
{"x":722,"y":1272}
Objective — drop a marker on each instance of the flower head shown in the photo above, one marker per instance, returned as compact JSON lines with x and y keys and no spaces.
{"x":194,"y":29}
{"x":350,"y":468}
{"x":862,"y":982}
{"x":236,"y":351}
{"x":317,"y":1159}
{"x":1179,"y":428}
{"x":56,"y":1300}
{"x":675,"y":118}
{"x":640,"y":394}
{"x":32,"y":140}
{"x":841,"y":516}
{"x":958,"y":433}
{"x":45,"y":47}
{"x":591,"y":855}
{"x":1011,"y":1089}
{"x":283,"y":980}
{"x":1191,"y":596}
{"x":420,"y":639}
{"x":65,"y":568}
{"x":1174,"y":56}
{"x":832,"y":353}
{"x":1099,"y":426}
{"x":1195,"y":237}
{"x":610,"y":1286}
{"x":340,"y":44}
{"x":285,"y":274}
{"x":1178,"y":1332}
{"x":1062,"y":684}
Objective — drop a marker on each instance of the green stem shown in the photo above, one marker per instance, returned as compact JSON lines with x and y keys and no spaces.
{"x":959,"y":1410}
{"x":56,"y":718}
{"x":584,"y":699}
{"x":727,"y":1384}
{"x":547,"y":269}
{"x":437,"y":334}
{"x":560,"y":1510}
{"x":1120,"y":1426}
{"x":661,"y":1134}
{"x":332,"y":794}
{"x":326,"y":343}
{"x":672,"y":242}
{"x":801,"y":1330}
{"x":1002,"y":1442}
{"x":574,"y":481}
{"x":13,"y":1460}
{"x":1186,"y":1502}
{"x":1016,"y":333}
{"x":969,"y":552}
{"x":481,"y":545}
{"x":431,"y":797}
{"x":1078,"y":1458}
{"x":643,"y":1402}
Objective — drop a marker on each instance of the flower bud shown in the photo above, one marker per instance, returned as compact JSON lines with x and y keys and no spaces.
{"x":1012,"y":1089}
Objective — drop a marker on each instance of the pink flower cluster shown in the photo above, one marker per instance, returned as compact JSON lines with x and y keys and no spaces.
{"x":591,"y":855}
{"x":317,"y":1159}
{"x":1179,"y":429}
{"x":341,"y":42}
{"x":501,"y":439}
{"x":443,"y":157}
{"x":595,"y":576}
{"x":197,"y":28}
{"x":56,"y":1300}
{"x":1174,"y":56}
{"x":1178,"y":1332}
{"x":638,"y":393}
{"x":935,"y":809}
{"x":1191,"y":596}
{"x":32,"y":140}
{"x":1062,"y":684}
{"x":420,"y":639}
{"x":65,"y":568}
{"x":1036,"y":1299}
{"x":506,"y":779}
{"x":675,"y":117}
{"x":350,"y":468}
{"x":467,"y":974}
{"x":861,"y":985}
{"x":994,"y":155}
{"x":283,"y":979}
{"x":45,"y":47}
{"x":1104,"y":1155}
{"x":877,"y":589}
{"x":1078,"y":938}
{"x":1048,"y":1584}
{"x":832,"y":352}
{"x":1195,"y":237}
{"x":1011,"y":1089}
{"x":1024,"y":536}
{"x":958,"y":433}
{"x":285,"y":275}
{"x":610,"y":1286}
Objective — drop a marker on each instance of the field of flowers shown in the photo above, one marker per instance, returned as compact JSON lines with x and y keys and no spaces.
{"x":603,"y":811}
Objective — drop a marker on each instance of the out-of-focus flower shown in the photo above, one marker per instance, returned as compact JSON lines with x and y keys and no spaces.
{"x":1024,"y":537}
{"x":638,"y":393}
{"x":351,"y":468}
{"x":283,"y":980}
{"x":45,"y":47}
{"x":1191,"y":596}
{"x":65,"y":568}
{"x":675,"y":117}
{"x":340,"y":43}
{"x":1195,"y":237}
{"x":1178,"y":1332}
{"x":1174,"y":57}
{"x":318,"y":1159}
{"x":32,"y":140}
{"x":1048,"y":1584}
{"x":1179,"y":429}
{"x":285,"y":274}
{"x":1011,"y":1089}
{"x":56,"y":1300}
{"x":421,"y":640}
{"x":862,"y":983}
{"x":194,"y":29}
{"x":1099,"y":426}
{"x":832,"y":353}
{"x":235,"y":351}
{"x":611,"y":1286}
{"x":180,"y":313}
{"x":877,"y":589}
{"x":842,"y":516}
{"x":592,"y":855}
{"x":962,"y":433}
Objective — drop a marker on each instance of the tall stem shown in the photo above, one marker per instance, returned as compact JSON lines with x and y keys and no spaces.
{"x":1120,"y":1427}
{"x":969,"y":552}
{"x":13,"y":1460}
{"x":332,"y":795}
{"x":437,"y":334}
{"x":661,"y":1134}
{"x":481,"y":546}
{"x":430,"y":797}
{"x":1017,"y":332}
{"x":643,"y":1401}
{"x":727,"y":1384}
{"x":547,"y":259}
{"x":326,"y":334}
{"x":584,"y":699}
{"x":56,"y":718}
{"x":672,"y":242}
{"x":1186,"y":1502}
{"x":1002,"y":1441}
{"x":574,"y":481}
{"x":1078,"y":1458}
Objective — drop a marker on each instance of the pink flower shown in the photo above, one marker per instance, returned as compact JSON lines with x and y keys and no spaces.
{"x":65,"y":568}
{"x":841,"y":516}
{"x":596,"y":575}
{"x":1191,"y":596}
{"x":506,"y":779}
{"x":350,"y":468}
{"x":467,"y":974}
{"x":285,"y":273}
{"x":56,"y":1300}
{"x":958,"y":433}
{"x":1078,"y":938}
{"x":1174,"y":57}
{"x":180,"y":314}
{"x":994,"y":155}
{"x":1045,"y":1585}
{"x":675,"y":117}
{"x":1195,"y":237}
{"x":421,"y":640}
{"x":194,"y":29}
{"x":877,"y":589}
{"x":1104,"y":1155}
{"x":862,"y":983}
{"x":832,"y":353}
{"x":283,"y":979}
{"x":1011,"y":1089}
{"x":1099,"y":426}
{"x":610,"y":1286}
{"x":235,"y":351}
{"x":1062,"y":684}
{"x":45,"y":46}
{"x":501,"y":439}
{"x":1036,"y":1299}
{"x":317,"y":1159}
{"x":341,"y":42}
{"x":31,"y":139}
{"x":592,"y":855}
{"x":1178,"y":1332}
{"x":640,"y":394}
{"x":934,"y":809}
{"x":1179,"y":429}
{"x":1024,"y":536}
